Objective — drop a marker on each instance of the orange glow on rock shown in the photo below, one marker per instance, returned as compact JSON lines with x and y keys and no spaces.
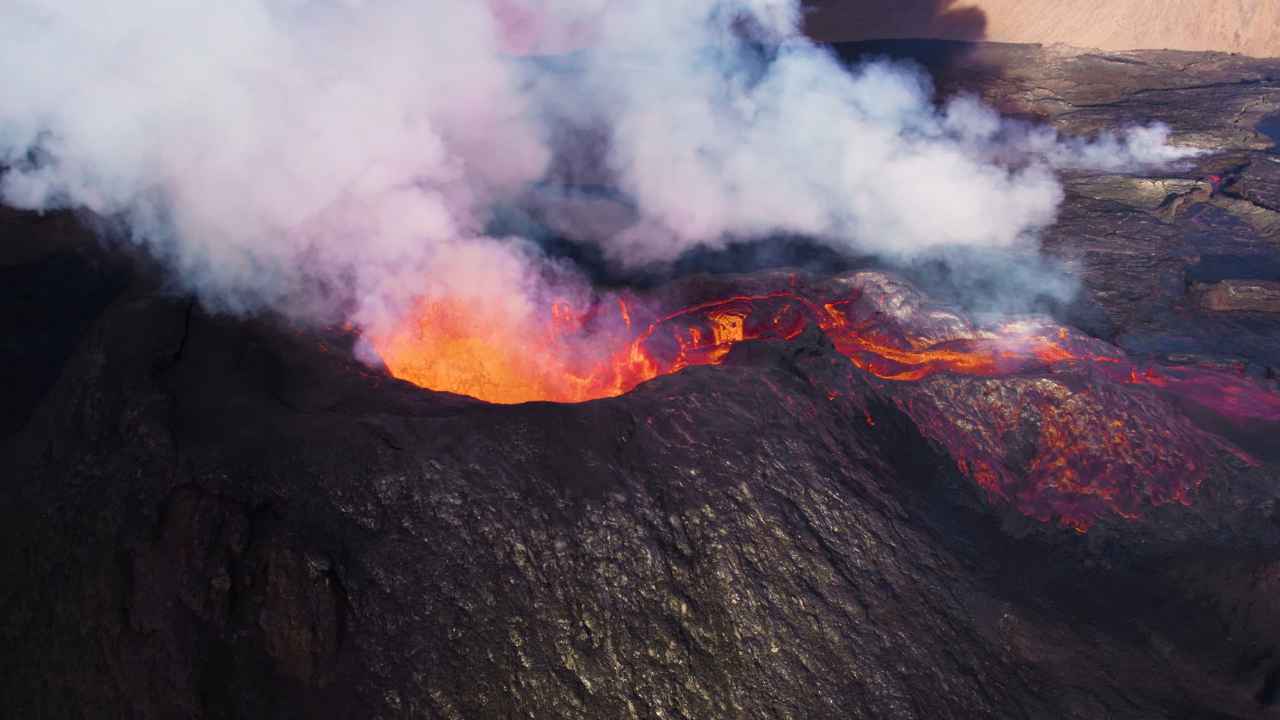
{"x":454,"y":348}
{"x":461,"y":348}
{"x":1103,"y":447}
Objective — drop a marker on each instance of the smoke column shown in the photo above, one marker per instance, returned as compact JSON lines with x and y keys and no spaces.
{"x":336,"y":159}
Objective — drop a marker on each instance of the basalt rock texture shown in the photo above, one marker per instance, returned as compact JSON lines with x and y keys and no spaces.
{"x":214,"y":517}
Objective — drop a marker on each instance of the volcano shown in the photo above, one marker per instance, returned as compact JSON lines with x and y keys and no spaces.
{"x":1107,"y":437}
{"x":828,"y":492}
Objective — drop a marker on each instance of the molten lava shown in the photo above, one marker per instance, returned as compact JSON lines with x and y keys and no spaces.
{"x":1095,"y":447}
{"x":574,"y":355}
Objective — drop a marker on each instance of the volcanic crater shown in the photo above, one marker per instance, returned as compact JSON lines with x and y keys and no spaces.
{"x":792,"y":492}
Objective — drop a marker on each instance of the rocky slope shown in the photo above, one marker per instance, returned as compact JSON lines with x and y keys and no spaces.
{"x":213,"y":518}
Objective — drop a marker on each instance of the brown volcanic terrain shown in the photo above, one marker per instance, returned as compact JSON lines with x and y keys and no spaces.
{"x":1251,"y":27}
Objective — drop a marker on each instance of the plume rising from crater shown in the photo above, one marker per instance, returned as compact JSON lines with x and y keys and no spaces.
{"x":814,"y":483}
{"x":340,"y":161}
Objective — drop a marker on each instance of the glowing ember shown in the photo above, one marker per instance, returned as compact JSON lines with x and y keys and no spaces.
{"x":1089,"y":450}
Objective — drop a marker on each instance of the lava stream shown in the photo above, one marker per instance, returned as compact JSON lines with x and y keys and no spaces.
{"x":1103,"y":447}
{"x":575,"y":355}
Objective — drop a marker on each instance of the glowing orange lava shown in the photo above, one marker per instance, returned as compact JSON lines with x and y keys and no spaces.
{"x":574,"y":355}
{"x":1098,"y":448}
{"x":454,"y":348}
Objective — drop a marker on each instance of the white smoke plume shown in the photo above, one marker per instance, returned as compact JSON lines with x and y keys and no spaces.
{"x":269,"y":148}
{"x":340,"y":157}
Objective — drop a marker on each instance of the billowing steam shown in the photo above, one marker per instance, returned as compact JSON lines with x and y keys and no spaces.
{"x":335,"y":159}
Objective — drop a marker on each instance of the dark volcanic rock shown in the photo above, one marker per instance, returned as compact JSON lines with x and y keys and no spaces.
{"x":225,"y":520}
{"x":1140,"y":244}
{"x":213,"y":518}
